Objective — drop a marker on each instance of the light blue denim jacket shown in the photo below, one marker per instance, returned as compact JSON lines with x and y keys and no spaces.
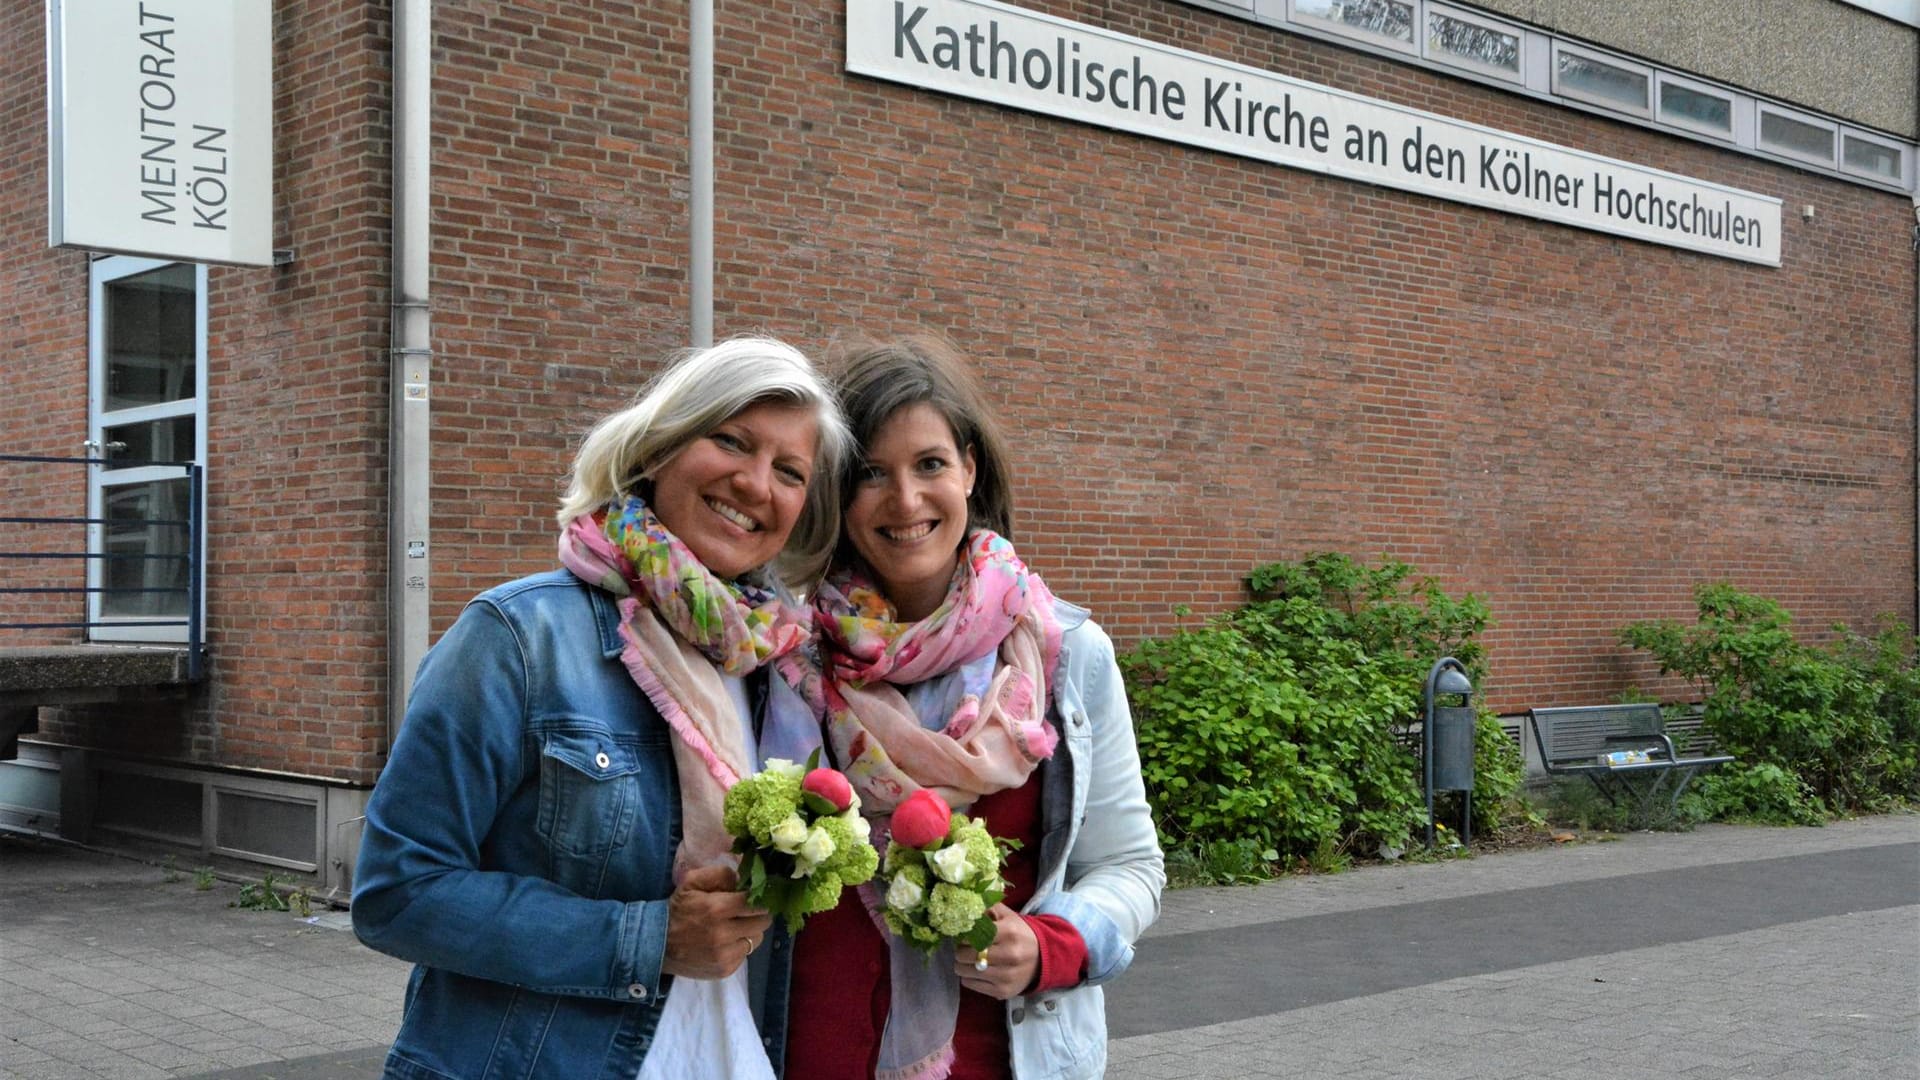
{"x":1100,"y":862}
{"x":518,"y":849}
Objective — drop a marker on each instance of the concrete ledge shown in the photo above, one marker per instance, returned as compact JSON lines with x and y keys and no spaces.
{"x":32,"y":671}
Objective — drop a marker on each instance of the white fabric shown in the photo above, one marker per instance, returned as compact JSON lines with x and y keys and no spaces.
{"x":737,"y":692}
{"x":706,"y":1029}
{"x":706,"y":1032}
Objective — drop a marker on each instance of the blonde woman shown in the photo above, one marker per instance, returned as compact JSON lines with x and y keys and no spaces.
{"x":545,"y":841}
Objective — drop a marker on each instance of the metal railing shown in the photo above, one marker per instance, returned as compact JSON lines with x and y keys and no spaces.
{"x":192,"y":525}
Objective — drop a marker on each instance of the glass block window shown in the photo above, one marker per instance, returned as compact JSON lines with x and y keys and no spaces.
{"x":1606,"y":81}
{"x":1696,"y":108}
{"x":1454,"y":37}
{"x":1796,"y":136}
{"x":1385,"y":21}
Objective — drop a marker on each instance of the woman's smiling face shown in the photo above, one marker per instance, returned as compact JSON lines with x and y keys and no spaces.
{"x":734,"y":494}
{"x":908,"y":515}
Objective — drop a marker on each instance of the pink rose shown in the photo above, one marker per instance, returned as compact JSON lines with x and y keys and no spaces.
{"x":831,"y":786}
{"x":922,"y":818}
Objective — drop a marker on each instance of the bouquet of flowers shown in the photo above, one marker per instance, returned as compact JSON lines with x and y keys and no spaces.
{"x":800,"y":838}
{"x":941,"y":874}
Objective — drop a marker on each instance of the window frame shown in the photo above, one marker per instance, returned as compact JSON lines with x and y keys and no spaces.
{"x":1760,"y":143}
{"x":1900,"y":154}
{"x":1518,"y":76}
{"x":101,"y":272}
{"x":1663,"y":79}
{"x":1604,"y":59}
{"x":1381,"y":41}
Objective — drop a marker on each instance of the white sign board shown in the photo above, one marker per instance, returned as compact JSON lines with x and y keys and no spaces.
{"x":1003,"y":54}
{"x":160,"y":128}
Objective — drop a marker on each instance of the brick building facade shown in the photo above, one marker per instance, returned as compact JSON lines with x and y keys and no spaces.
{"x":1206,"y":362}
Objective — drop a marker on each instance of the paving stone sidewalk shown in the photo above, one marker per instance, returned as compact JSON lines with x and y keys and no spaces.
{"x":1785,"y":953}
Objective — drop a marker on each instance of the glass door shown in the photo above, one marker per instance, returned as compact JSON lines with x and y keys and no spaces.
{"x":146,"y":411}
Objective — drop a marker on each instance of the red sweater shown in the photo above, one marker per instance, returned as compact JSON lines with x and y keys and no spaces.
{"x":840,"y":963}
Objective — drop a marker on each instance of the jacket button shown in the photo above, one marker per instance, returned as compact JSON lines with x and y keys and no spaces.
{"x":1052,"y":1004}
{"x":601,"y":759}
{"x":637,"y":992}
{"x":1019,"y":1015}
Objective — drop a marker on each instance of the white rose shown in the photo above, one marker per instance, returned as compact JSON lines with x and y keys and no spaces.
{"x":950,"y":862}
{"x":789,"y":834}
{"x":861,"y":830}
{"x":904,"y":895}
{"x":817,"y":847}
{"x":783,"y":767}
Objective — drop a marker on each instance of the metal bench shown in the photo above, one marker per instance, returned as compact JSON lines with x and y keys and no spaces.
{"x":1623,"y":749}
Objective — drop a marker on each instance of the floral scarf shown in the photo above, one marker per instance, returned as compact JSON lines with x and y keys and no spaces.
{"x":993,"y":734}
{"x":684,"y":628}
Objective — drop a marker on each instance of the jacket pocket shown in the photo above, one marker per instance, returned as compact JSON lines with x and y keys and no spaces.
{"x":588,"y":791}
{"x":1060,"y":1036}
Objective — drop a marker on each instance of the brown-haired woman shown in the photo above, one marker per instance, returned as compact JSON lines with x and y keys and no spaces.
{"x":950,"y":666}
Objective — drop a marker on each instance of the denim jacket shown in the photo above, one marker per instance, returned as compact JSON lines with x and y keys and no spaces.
{"x":518,"y":850}
{"x":1100,"y":861}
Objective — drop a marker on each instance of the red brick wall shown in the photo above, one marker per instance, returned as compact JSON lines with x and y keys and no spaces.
{"x":1211,"y":362}
{"x":43,"y":324}
{"x":1206,"y":362}
{"x":296,"y":413}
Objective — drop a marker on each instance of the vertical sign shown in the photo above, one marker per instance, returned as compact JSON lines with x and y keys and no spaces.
{"x":160,"y":128}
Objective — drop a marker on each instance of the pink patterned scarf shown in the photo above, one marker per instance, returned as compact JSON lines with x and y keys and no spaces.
{"x":684,"y":628}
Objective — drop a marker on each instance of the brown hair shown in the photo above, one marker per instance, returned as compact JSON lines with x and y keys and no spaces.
{"x":878,"y":379}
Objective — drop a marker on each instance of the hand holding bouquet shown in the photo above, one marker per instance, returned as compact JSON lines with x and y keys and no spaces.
{"x":941,"y":875}
{"x":800,"y":838}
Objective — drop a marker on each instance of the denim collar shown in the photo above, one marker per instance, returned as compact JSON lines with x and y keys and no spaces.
{"x":606,"y":615}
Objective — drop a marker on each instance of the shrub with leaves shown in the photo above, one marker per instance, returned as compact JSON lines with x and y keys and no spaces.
{"x":1762,"y":793}
{"x":1279,"y":727}
{"x":1843,"y":719}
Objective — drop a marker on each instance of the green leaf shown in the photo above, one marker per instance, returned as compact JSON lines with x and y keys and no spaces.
{"x":981,"y":934}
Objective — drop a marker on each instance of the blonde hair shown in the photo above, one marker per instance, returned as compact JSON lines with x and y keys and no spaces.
{"x":701,"y":390}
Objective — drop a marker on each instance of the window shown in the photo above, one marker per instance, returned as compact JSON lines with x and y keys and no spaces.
{"x":1871,"y":157}
{"x":1474,"y":42}
{"x":1602,"y":80}
{"x":1456,"y":37}
{"x":1388,"y":22}
{"x":1795,"y":136}
{"x":146,"y":412}
{"x":1695,"y":107}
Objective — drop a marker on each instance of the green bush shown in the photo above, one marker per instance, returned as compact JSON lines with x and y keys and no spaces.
{"x":1280,"y":727}
{"x":1764,"y":793}
{"x":1891,"y":663}
{"x":1844,"y":719}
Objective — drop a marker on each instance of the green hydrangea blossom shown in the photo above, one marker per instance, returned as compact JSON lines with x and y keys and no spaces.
{"x":900,"y":857}
{"x":854,"y":862}
{"x":983,"y":855}
{"x":915,"y":872}
{"x":822,"y":892}
{"x":758,"y":803}
{"x":952,"y":911}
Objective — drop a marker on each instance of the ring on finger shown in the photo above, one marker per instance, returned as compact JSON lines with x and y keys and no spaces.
{"x":981,"y":963}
